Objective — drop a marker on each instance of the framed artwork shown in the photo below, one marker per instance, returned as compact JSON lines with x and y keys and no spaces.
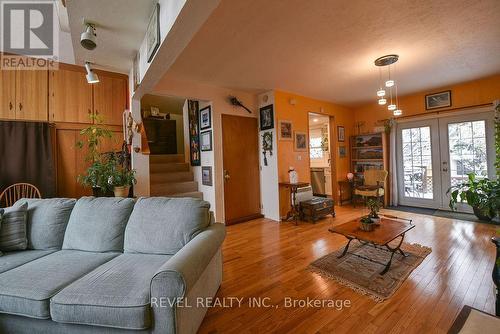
{"x":285,"y":130}
{"x":153,"y":33}
{"x":300,"y":141}
{"x":438,"y":100}
{"x":194,"y":133}
{"x":206,"y":175}
{"x":342,"y":152}
{"x":206,"y":140}
{"x":340,"y":133}
{"x":266,"y":117}
{"x":206,"y":118}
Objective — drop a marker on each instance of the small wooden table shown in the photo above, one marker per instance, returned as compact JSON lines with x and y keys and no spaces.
{"x":389,"y":229}
{"x":294,"y":213}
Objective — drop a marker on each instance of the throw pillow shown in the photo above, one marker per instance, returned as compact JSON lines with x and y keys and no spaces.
{"x":13,"y":228}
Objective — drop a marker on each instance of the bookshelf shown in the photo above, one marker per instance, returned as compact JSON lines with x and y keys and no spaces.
{"x":369,"y":151}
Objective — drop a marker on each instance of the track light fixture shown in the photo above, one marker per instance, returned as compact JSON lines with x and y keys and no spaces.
{"x":91,"y":75}
{"x":88,"y":36}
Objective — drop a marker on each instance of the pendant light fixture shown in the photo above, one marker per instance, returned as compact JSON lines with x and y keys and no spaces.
{"x":388,"y":89}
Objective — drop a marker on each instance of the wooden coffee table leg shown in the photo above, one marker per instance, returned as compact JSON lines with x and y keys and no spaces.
{"x":345,"y":249}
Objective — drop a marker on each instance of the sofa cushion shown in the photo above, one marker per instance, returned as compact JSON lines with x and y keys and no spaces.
{"x":98,"y":224}
{"x":13,"y":229}
{"x":47,"y":220}
{"x":27,"y":289}
{"x":1,"y":214}
{"x":116,"y":294}
{"x":161,"y":225}
{"x":12,"y":260}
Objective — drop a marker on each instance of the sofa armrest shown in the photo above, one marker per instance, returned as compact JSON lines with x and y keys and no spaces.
{"x":183,"y":269}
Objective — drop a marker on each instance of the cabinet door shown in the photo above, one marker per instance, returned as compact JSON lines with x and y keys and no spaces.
{"x":7,"y":94}
{"x":110,"y":99}
{"x":32,"y":95}
{"x":70,"y":96}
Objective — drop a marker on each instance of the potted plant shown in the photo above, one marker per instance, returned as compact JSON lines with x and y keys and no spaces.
{"x":367,"y":224}
{"x":100,"y":167}
{"x":481,"y":194}
{"x":122,"y":179}
{"x":374,"y":205}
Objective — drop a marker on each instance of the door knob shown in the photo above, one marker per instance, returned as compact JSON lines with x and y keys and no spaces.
{"x":20,"y":106}
{"x":226,"y":175}
{"x":10,"y":106}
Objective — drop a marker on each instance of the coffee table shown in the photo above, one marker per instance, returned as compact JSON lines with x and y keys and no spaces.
{"x":389,"y":229}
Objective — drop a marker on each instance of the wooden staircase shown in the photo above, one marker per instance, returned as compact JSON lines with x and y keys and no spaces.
{"x":171,"y":176}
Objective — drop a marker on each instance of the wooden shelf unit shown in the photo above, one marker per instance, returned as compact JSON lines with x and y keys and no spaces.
{"x":370,"y":151}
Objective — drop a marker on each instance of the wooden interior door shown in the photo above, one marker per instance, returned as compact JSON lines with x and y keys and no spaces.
{"x":70,"y":96}
{"x":110,"y":99}
{"x":32,"y":95}
{"x":241,"y":169}
{"x":7,"y":94}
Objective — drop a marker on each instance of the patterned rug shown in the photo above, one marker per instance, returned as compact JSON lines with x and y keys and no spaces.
{"x":363,"y":276}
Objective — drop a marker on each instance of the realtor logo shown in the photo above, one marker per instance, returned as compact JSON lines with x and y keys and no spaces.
{"x":28,"y":28}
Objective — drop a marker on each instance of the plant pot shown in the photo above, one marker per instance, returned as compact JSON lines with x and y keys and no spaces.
{"x":367,"y":226}
{"x":481,"y":215}
{"x":121,"y":191}
{"x":375,"y":220}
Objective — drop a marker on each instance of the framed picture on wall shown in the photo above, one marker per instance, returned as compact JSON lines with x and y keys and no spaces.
{"x":206,"y":118}
{"x":285,"y":130}
{"x":341,"y":152}
{"x":300,"y":141}
{"x":153,"y":33}
{"x":438,"y":100}
{"x":206,"y":140}
{"x":206,"y":175}
{"x":340,"y":133}
{"x":194,"y":133}
{"x":266,"y":117}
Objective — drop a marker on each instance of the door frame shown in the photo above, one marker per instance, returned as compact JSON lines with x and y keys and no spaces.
{"x":472,"y":113}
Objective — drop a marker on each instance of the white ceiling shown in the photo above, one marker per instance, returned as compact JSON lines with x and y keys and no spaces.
{"x":121,"y":27}
{"x":325,"y":49}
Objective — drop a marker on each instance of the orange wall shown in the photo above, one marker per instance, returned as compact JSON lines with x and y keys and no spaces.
{"x":466,"y":94}
{"x":298,"y":114}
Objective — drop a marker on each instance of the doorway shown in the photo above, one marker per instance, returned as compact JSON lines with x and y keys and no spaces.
{"x":241,"y":169}
{"x":320,"y":155}
{"x":435,"y":154}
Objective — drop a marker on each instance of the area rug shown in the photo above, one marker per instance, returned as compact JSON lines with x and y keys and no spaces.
{"x":363,"y":276}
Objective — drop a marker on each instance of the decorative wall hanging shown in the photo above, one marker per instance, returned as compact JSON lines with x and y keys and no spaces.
{"x":340,"y":133}
{"x":235,"y":102}
{"x":153,"y":33}
{"x":267,"y":145}
{"x":285,"y":130}
{"x":300,"y":141}
{"x":342,"y":152}
{"x":206,"y":140}
{"x":266,"y":117}
{"x":206,"y":176}
{"x":206,"y":118}
{"x":438,"y":100}
{"x":194,"y":133}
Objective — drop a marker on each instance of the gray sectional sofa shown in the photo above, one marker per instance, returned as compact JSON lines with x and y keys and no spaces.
{"x":112,"y":265}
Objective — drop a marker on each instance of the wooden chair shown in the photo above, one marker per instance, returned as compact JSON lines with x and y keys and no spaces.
{"x":17,"y":191}
{"x":373,"y":185}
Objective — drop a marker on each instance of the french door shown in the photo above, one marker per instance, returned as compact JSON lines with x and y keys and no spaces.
{"x":434,"y":154}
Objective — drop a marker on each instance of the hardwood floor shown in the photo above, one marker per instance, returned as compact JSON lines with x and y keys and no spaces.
{"x":265,"y":259}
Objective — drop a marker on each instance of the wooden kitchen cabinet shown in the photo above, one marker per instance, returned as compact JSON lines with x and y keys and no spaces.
{"x":70,"y":96}
{"x":7,"y":94}
{"x":32,"y":95}
{"x":110,"y":98}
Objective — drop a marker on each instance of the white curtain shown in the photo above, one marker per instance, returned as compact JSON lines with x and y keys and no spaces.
{"x":393,"y":164}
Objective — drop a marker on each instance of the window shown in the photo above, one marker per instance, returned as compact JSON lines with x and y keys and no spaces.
{"x":315,"y":144}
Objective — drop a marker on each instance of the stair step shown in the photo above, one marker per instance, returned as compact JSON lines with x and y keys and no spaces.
{"x":194,"y":194}
{"x":169,"y":188}
{"x":168,"y":167}
{"x":163,"y":158}
{"x":163,"y":177}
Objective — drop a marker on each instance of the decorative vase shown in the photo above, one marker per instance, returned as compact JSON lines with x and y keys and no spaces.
{"x":480,"y":215}
{"x":121,"y":191}
{"x":292,"y":174}
{"x":367,"y":226}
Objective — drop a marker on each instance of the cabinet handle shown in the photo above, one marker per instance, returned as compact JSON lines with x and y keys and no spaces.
{"x":20,"y":106}
{"x":10,"y":105}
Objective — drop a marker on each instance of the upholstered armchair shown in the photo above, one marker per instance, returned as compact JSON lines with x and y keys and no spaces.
{"x":373,"y":185}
